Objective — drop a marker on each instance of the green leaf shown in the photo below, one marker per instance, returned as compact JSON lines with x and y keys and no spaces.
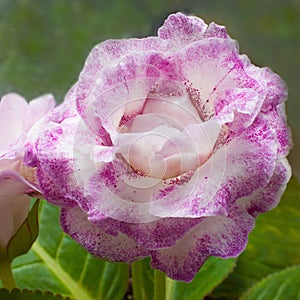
{"x":22,"y":241}
{"x":17,"y":294}
{"x":57,"y":264}
{"x":160,"y":283}
{"x":274,"y":245}
{"x":143,"y":280}
{"x":281,"y":285}
{"x":211,"y":274}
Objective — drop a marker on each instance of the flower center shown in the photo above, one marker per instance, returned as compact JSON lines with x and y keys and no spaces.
{"x":168,"y":138}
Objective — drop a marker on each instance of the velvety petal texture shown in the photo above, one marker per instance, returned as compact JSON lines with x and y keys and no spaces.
{"x":168,"y":147}
{"x":20,"y":124}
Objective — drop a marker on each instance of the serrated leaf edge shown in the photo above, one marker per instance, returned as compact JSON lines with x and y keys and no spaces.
{"x":266,"y":278}
{"x":38,"y":292}
{"x":76,"y":292}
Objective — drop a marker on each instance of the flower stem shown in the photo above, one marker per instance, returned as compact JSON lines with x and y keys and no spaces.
{"x":137,"y":283}
{"x":159,"y":285}
{"x":6,"y":274}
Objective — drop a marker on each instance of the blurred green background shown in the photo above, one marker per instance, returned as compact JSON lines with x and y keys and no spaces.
{"x":44,"y":43}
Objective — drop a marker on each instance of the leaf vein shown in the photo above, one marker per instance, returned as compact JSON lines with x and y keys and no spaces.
{"x":76,"y":290}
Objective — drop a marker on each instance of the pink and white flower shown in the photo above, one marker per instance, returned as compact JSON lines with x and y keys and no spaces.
{"x":19,"y":128}
{"x":167,"y":147}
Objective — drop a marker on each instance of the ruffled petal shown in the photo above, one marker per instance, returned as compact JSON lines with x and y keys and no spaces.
{"x":55,"y":165}
{"x":64,"y":111}
{"x":238,"y":107}
{"x":116,"y":191}
{"x":215,"y":30}
{"x":21,"y":116}
{"x":277,"y":117}
{"x":237,"y":169}
{"x":118,"y":248}
{"x":37,"y":109}
{"x":182,"y":30}
{"x":273,"y":85}
{"x":251,"y":158}
{"x":159,"y":234}
{"x":215,"y":78}
{"x":128,"y":196}
{"x":13,"y":111}
{"x":268,"y":197}
{"x":109,"y":53}
{"x":120,"y":93}
{"x":222,"y":236}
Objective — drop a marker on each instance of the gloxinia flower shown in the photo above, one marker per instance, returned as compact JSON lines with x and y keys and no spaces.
{"x":167,"y":147}
{"x":18,"y":130}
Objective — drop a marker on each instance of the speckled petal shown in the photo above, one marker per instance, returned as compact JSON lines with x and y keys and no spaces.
{"x":218,"y":236}
{"x":238,"y":107}
{"x":109,"y":53}
{"x":268,"y":197}
{"x":118,"y":192}
{"x":274,"y":87}
{"x":118,"y":248}
{"x":152,"y":235}
{"x":215,"y":76}
{"x":127,"y":196}
{"x":232,"y":172}
{"x":250,"y":162}
{"x":122,"y":89}
{"x":215,"y":30}
{"x":55,"y":166}
{"x":182,"y":30}
{"x":277,"y":117}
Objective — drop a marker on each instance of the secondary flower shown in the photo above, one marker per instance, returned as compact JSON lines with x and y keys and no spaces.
{"x":167,"y":147}
{"x":18,"y":129}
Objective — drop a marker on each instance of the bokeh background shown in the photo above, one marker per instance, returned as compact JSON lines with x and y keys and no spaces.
{"x":44,"y":43}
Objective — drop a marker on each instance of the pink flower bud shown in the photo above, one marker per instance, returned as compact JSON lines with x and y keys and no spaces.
{"x":18,"y":128}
